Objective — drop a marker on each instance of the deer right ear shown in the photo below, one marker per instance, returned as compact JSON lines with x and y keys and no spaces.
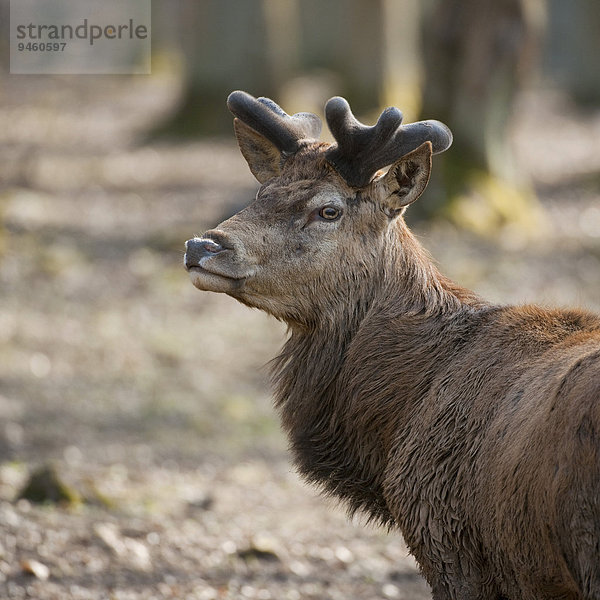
{"x":406,"y":180}
{"x":262,"y":156}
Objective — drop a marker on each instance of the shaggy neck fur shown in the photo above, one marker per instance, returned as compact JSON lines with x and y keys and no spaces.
{"x":338,"y":432}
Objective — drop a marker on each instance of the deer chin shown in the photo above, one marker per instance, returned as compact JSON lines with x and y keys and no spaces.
{"x":209,"y":281}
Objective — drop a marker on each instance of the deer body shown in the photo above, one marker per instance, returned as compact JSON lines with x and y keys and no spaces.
{"x":412,"y":409}
{"x":472,"y":428}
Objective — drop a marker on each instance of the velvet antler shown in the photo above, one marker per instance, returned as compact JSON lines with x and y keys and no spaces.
{"x":271,"y":121}
{"x":361,"y":150}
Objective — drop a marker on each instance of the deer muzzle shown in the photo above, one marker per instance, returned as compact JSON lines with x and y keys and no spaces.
{"x":212,"y":265}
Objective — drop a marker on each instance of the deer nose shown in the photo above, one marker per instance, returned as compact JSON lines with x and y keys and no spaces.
{"x":198,"y":248}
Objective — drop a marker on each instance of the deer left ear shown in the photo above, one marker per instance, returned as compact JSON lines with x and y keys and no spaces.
{"x":406,"y":180}
{"x":262,"y":156}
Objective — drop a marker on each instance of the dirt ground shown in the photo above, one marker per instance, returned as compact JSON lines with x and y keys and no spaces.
{"x":151,"y":399}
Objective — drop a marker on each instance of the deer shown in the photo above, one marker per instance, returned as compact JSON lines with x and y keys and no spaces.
{"x":470,"y":427}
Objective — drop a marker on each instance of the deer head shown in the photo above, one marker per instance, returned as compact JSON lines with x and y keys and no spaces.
{"x":326,"y":221}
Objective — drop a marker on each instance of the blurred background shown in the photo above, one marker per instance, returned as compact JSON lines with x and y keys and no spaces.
{"x":139,"y":453}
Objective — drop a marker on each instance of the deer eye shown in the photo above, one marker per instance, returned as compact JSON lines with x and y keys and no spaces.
{"x":330,"y":213}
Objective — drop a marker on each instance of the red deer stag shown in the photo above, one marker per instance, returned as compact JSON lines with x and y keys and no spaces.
{"x":471,"y":427}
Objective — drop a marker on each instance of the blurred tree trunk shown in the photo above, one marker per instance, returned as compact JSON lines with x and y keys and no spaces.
{"x":402,"y":57}
{"x":261,"y":45}
{"x":573,"y":48}
{"x":224,"y":46}
{"x":5,"y":38}
{"x":476,"y":55}
{"x":346,"y":37}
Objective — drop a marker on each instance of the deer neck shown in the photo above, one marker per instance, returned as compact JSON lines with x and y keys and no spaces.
{"x":317,"y":405}
{"x":414,"y":285}
{"x":406,"y":285}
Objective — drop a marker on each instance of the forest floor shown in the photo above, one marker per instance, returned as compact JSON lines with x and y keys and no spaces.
{"x":151,"y":400}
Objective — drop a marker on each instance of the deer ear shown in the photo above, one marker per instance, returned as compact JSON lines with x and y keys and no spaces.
{"x":406,"y":180}
{"x":263,"y":157}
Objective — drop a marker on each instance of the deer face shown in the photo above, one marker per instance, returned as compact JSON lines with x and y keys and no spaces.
{"x":310,"y":235}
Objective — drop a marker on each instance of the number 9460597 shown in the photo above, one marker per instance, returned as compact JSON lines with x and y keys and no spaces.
{"x":41,"y":46}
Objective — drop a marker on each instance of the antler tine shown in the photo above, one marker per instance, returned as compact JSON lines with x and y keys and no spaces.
{"x":362,"y":150}
{"x":271,"y":121}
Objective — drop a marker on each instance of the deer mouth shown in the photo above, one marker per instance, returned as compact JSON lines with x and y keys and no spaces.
{"x":211,"y":281}
{"x":208,"y":263}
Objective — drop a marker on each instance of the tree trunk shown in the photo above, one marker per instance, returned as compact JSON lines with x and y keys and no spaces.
{"x":224,"y":45}
{"x":475,"y":55}
{"x":262,"y":45}
{"x":573,"y":48}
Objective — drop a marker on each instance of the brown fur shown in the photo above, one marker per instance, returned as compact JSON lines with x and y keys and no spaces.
{"x":472,"y":428}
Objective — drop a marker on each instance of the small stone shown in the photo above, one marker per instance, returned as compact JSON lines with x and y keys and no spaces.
{"x":202,"y":503}
{"x":134,"y":551}
{"x":261,"y":548}
{"x":389,"y":590}
{"x":344,"y":555}
{"x":35,"y":568}
{"x":44,"y":485}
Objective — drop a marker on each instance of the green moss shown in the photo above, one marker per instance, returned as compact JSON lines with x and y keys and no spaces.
{"x":465,"y":192}
{"x":45,"y":486}
{"x":489,"y":205}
